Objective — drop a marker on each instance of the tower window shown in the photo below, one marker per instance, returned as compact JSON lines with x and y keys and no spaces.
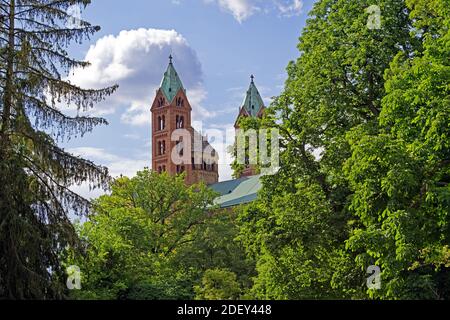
{"x":161,"y":102}
{"x":180,"y":102}
{"x":161,"y":123}
{"x":179,"y":122}
{"x":162,"y":147}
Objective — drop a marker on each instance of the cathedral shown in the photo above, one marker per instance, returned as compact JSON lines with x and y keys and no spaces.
{"x":177,"y":147}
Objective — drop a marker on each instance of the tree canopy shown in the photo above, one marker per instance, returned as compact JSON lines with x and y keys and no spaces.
{"x":154,"y":237}
{"x":364,"y":179}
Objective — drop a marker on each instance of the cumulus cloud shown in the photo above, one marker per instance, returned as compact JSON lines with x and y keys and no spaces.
{"x":136,"y":61}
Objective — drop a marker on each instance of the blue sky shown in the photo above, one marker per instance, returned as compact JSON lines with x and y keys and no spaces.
{"x":216,"y":44}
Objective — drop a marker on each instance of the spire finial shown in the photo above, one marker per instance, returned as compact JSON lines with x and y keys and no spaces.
{"x":253,"y":78}
{"x":170,"y":59}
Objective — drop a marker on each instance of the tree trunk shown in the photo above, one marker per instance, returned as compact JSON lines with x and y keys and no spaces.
{"x":9,"y":84}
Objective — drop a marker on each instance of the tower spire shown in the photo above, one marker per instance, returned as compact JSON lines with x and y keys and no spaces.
{"x":171,"y":83}
{"x":253,"y":103}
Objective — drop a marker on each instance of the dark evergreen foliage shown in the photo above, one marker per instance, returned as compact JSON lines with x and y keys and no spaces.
{"x":36,"y":174}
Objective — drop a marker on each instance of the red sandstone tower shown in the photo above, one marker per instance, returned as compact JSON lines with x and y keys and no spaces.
{"x":172,"y":133}
{"x":253,"y":106}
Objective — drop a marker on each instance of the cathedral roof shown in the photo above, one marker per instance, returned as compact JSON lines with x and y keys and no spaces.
{"x":253,"y":103}
{"x":236,"y":192}
{"x":171,"y":82}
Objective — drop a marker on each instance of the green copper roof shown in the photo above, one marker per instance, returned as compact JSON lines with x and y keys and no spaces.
{"x":236,"y":192}
{"x":171,"y":83}
{"x":253,"y":102}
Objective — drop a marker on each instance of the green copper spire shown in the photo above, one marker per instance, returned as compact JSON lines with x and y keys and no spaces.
{"x":253,"y":102}
{"x":171,"y":83}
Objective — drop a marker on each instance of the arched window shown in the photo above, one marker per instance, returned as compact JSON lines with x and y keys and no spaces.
{"x":159,"y":124}
{"x":161,"y":148}
{"x":180,"y":102}
{"x":213,"y":167}
{"x":181,"y":122}
{"x":163,"y":123}
{"x":164,"y":168}
{"x":161,"y":102}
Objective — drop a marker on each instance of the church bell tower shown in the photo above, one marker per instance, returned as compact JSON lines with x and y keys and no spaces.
{"x":171,"y":114}
{"x":170,"y":111}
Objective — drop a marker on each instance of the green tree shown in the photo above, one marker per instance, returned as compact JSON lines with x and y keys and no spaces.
{"x":35,"y":173}
{"x":400,"y":169}
{"x":218,"y":285}
{"x":135,"y":233}
{"x":215,"y":246}
{"x":298,"y":228}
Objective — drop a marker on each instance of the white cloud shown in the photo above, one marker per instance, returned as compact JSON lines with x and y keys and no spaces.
{"x":244,"y":9}
{"x":240,"y":9}
{"x":86,"y":192}
{"x":136,"y":60}
{"x":290,"y":8}
{"x":117,"y":165}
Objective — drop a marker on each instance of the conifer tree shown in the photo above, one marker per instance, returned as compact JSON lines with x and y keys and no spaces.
{"x":36,"y":174}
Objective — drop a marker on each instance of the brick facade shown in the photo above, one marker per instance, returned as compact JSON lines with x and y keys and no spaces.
{"x":171,"y":120}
